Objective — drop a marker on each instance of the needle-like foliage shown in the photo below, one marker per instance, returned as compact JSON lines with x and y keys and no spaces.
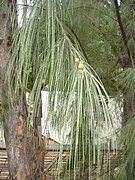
{"x":46,"y":51}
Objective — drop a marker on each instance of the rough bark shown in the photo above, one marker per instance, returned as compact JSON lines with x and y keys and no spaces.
{"x":25,"y":149}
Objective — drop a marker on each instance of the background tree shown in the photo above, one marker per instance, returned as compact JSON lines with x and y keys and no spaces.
{"x":125,"y":17}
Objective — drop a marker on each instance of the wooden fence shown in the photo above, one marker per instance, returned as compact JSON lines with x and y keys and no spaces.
{"x":50,"y":164}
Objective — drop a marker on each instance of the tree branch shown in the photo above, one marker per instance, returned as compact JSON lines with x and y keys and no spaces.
{"x":123,"y":33}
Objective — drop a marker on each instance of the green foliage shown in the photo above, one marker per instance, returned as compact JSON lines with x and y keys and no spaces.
{"x":127,"y":170}
{"x":128,"y":14}
{"x":99,"y":36}
{"x":74,"y":46}
{"x":61,"y":43}
{"x":128,"y":83}
{"x":47,"y":49}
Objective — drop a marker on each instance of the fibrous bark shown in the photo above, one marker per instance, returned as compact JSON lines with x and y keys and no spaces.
{"x":24,"y":147}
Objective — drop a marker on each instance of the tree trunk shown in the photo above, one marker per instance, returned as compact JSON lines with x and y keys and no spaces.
{"x":126,"y":61}
{"x":25,"y":149}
